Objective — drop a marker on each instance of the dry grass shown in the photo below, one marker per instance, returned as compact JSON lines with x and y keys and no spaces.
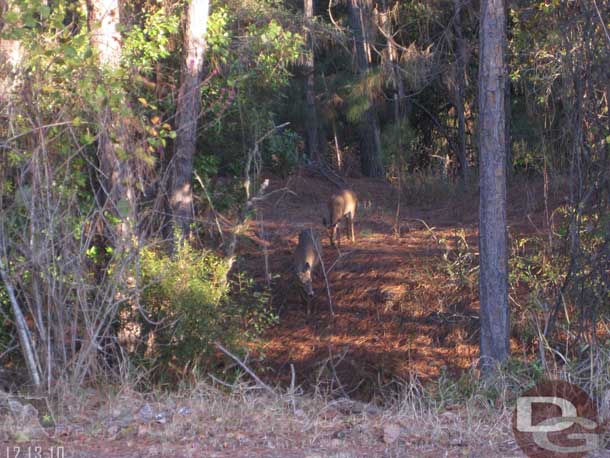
{"x":204,"y":421}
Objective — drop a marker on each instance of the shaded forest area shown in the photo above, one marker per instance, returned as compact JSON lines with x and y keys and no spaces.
{"x":159,"y":157}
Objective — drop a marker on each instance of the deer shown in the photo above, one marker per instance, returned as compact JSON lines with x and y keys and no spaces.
{"x":341,"y":205}
{"x":306,"y":258}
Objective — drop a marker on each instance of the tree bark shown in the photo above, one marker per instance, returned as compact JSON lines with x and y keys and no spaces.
{"x":10,"y":60}
{"x":103,"y":19}
{"x":460,"y":90}
{"x":393,"y":56}
{"x":492,"y":230}
{"x":187,"y":113}
{"x":507,"y":101}
{"x":311,"y":121}
{"x":370,"y":134}
{"x":117,"y":181}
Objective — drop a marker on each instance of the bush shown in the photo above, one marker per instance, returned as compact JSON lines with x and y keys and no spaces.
{"x":281,"y":151}
{"x":190,"y":302}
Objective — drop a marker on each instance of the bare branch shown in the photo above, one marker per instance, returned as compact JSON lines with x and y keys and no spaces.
{"x":246,"y":368}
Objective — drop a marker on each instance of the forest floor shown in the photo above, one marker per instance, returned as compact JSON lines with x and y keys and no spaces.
{"x":404,"y":296}
{"x":405,"y":315}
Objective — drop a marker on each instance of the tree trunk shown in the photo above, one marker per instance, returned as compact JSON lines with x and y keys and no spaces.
{"x":117,"y":181}
{"x":370,"y":136}
{"x":393,"y":56}
{"x":103,"y":19}
{"x":460,"y":89}
{"x":507,"y":102}
{"x":11,"y":55}
{"x":311,"y":122}
{"x":492,"y":231}
{"x":187,"y":113}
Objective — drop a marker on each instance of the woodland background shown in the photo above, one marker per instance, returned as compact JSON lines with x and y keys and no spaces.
{"x":134,"y":155}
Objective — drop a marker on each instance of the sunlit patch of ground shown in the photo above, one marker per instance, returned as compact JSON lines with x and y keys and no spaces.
{"x":397,"y":311}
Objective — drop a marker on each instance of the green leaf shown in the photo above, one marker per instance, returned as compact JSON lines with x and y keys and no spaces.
{"x":69,"y":51}
{"x":123,"y":207}
{"x":44,"y":11}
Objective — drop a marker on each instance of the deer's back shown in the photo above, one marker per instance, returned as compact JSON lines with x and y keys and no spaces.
{"x":307,"y":249}
{"x":342,"y":203}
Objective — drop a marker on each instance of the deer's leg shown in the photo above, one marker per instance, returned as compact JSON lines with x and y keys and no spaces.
{"x":337,"y":234}
{"x":351,"y":228}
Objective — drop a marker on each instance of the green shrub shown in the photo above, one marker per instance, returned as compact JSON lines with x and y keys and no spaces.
{"x":193,"y":306}
{"x":5,"y":328}
{"x":281,"y":151}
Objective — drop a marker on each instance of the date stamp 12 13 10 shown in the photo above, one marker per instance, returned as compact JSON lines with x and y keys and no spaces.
{"x":33,"y":451}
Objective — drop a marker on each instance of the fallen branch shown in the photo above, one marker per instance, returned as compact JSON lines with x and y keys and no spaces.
{"x":341,"y":255}
{"x":330,"y":300}
{"x":250,"y":372}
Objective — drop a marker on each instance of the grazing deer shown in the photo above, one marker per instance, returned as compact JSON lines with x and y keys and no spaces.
{"x":341,"y":205}
{"x":306,"y":257}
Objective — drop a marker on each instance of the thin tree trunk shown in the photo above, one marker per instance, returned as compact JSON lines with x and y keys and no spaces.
{"x":187,"y":113}
{"x":370,"y":136}
{"x":311,"y":122}
{"x":392,"y":56}
{"x":493,"y":236}
{"x":333,"y":122}
{"x":25,"y":338}
{"x":460,"y":89}
{"x":103,"y":19}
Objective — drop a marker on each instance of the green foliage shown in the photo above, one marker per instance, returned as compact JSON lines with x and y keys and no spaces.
{"x":189,"y":296}
{"x":251,"y":46}
{"x":281,"y":151}
{"x":460,"y":260}
{"x":361,"y":95}
{"x":533,"y":265}
{"x":5,"y":325}
{"x":219,"y":36}
{"x":149,"y":42}
{"x":398,"y":141}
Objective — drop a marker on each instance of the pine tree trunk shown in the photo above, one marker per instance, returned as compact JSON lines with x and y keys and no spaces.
{"x":392,"y":55}
{"x":507,"y":101}
{"x":370,"y":133}
{"x":460,"y":89}
{"x":493,"y":236}
{"x":117,"y":181}
{"x":311,"y":122}
{"x":187,"y":113}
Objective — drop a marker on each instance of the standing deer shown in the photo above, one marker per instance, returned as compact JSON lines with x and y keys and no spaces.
{"x":341,"y":205}
{"x":306,"y":257}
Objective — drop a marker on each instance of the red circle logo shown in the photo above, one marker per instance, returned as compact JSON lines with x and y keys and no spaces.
{"x":556,"y":419}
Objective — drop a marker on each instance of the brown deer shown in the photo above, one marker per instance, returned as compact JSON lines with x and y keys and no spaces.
{"x":306,"y":258}
{"x":341,"y":205}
